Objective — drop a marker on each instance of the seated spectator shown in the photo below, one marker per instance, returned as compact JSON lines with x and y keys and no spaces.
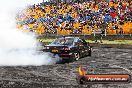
{"x":76,"y":16}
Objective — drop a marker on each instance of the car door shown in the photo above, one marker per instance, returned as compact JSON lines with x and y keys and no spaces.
{"x":86,"y":46}
{"x":81,"y":47}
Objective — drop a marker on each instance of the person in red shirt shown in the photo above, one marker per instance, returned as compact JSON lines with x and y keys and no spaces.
{"x":114,"y":14}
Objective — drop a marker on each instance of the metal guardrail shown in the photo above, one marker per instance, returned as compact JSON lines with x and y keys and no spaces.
{"x":91,"y":37}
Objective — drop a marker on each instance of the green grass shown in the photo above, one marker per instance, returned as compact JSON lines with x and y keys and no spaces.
{"x":46,"y":40}
{"x":128,"y":42}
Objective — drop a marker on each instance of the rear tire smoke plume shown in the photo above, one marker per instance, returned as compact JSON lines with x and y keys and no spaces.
{"x":16,"y":47}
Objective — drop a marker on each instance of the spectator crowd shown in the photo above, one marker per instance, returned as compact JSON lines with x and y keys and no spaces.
{"x":109,"y":16}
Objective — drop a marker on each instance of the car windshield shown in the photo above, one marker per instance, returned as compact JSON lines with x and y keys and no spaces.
{"x":64,"y":41}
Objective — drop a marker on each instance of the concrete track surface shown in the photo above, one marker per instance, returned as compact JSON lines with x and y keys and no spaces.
{"x":64,"y":75}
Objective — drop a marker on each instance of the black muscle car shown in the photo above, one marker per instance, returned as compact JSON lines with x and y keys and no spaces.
{"x":69,"y":48}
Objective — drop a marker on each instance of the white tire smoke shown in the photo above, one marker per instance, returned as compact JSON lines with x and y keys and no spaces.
{"x":16,"y":47}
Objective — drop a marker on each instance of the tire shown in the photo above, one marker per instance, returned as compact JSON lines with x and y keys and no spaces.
{"x":76,"y":56}
{"x":89,"y":53}
{"x":82,"y":80}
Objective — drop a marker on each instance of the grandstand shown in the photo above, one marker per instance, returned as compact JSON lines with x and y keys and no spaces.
{"x":77,"y":17}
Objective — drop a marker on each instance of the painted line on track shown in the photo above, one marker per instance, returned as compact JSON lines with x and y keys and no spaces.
{"x":117,"y":66}
{"x":121,"y":55}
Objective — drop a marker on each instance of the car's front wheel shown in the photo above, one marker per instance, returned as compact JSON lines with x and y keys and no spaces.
{"x":76,"y":56}
{"x":89,"y":53}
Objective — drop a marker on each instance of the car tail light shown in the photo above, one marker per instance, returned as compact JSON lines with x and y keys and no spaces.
{"x":46,"y":47}
{"x":66,"y":48}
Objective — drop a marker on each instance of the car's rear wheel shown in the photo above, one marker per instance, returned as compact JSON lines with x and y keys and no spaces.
{"x":76,"y":56}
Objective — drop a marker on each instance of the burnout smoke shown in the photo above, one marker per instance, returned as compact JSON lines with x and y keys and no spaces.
{"x":16,"y":47}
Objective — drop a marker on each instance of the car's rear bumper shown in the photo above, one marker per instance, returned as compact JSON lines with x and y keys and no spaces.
{"x":64,"y":56}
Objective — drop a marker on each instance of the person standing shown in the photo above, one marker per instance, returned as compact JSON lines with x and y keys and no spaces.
{"x":98,"y":35}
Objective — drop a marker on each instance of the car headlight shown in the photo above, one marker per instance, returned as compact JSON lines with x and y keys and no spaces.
{"x":91,"y":49}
